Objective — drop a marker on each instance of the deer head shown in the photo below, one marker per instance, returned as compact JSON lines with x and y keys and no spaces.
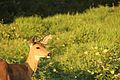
{"x":37,"y":48}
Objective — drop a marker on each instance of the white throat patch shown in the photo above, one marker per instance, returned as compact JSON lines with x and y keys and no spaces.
{"x":37,"y":57}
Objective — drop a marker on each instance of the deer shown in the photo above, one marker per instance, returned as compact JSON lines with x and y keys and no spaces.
{"x":24,"y":71}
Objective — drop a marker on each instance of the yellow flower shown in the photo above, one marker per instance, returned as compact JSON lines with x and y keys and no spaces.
{"x":97,"y":53}
{"x":105,"y":50}
{"x":86,"y":52}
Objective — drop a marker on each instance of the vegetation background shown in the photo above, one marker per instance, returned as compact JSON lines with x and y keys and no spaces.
{"x":86,"y":37}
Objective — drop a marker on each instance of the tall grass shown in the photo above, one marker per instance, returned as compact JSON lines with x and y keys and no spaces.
{"x":84,"y":46}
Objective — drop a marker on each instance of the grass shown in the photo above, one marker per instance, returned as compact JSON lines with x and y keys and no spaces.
{"x":85,"y":46}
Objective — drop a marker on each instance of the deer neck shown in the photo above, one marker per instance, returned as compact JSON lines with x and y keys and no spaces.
{"x":32,"y":61}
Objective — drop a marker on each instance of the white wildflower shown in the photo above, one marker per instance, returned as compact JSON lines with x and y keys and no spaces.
{"x":54,"y":70}
{"x":71,"y":67}
{"x":97,"y":53}
{"x":75,"y":76}
{"x":105,"y":50}
{"x":86,"y":52}
{"x":96,"y":47}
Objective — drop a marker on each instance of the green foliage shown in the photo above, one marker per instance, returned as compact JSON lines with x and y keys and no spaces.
{"x":84,"y":46}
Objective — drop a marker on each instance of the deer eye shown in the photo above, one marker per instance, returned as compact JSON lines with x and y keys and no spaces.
{"x":37,"y":47}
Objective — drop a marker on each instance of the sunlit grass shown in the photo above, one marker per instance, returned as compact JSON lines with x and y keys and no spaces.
{"x":85,"y":46}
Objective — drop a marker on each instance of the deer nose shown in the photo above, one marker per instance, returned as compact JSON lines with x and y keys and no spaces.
{"x":49,"y":54}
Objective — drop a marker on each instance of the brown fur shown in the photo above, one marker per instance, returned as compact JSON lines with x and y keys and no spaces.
{"x":14,"y":71}
{"x":4,"y":75}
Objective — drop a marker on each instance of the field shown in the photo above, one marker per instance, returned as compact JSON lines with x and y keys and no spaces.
{"x":85,"y":46}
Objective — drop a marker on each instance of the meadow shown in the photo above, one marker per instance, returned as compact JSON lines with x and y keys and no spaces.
{"x":85,"y":46}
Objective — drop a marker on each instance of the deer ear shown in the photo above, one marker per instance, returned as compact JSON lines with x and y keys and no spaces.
{"x":32,"y":41}
{"x":46,"y":39}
